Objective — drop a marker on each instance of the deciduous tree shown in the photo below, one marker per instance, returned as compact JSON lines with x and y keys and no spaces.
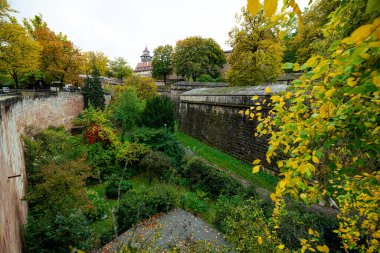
{"x":60,"y":59}
{"x":257,"y":50}
{"x":5,"y":8}
{"x":120,"y":68}
{"x":126,"y":110}
{"x":19,"y":53}
{"x":162,"y":61}
{"x":324,"y":136}
{"x":145,"y":86}
{"x":95,"y":59}
{"x":195,"y":56}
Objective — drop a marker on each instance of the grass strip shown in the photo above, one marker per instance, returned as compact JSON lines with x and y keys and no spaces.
{"x":227,"y":162}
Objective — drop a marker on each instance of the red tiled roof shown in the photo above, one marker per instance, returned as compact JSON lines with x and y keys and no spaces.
{"x":143,"y":66}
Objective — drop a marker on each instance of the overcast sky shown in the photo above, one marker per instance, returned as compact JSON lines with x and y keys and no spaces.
{"x":122,"y":28}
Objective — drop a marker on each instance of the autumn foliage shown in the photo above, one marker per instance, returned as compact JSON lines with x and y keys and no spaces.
{"x":324,"y":137}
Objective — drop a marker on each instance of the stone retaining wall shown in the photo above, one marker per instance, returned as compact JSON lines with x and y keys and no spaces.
{"x":212,"y":116}
{"x":16,"y":114}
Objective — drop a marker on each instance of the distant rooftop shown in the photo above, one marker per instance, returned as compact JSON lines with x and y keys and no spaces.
{"x":143,"y":66}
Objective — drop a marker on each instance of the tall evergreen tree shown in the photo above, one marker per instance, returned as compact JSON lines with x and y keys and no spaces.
{"x":93,"y":92}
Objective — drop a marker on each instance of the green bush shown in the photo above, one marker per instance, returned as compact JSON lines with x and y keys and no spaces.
{"x":191,"y":202}
{"x":101,"y":160}
{"x":296,"y":221}
{"x":159,"y":113}
{"x":137,"y":206}
{"x":107,"y":236}
{"x":160,"y":140}
{"x":50,"y":145}
{"x":56,"y":233}
{"x":243,"y":222}
{"x":157,"y":165}
{"x":112,"y":188}
{"x":131,"y":154}
{"x":209,"y":79}
{"x":126,"y":110}
{"x":209,"y":179}
{"x":99,"y":204}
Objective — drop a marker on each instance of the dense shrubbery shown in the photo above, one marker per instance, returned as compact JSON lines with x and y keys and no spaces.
{"x":209,"y":179}
{"x":159,"y":113}
{"x":99,"y":203}
{"x":244,"y":224}
{"x":193,"y":203}
{"x":58,"y":232}
{"x":137,"y":206}
{"x":160,"y":140}
{"x":209,"y":79}
{"x":45,"y":147}
{"x":297,"y":220}
{"x":126,"y":110}
{"x":112,"y":189}
{"x":157,"y":165}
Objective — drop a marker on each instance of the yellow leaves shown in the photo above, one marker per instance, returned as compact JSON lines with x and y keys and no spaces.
{"x":297,"y":10}
{"x":377,"y":33}
{"x":270,"y":7}
{"x":311,"y":62}
{"x":288,"y":95}
{"x":326,"y":110}
{"x":361,"y":33}
{"x":315,"y":159}
{"x":247,"y":112}
{"x":275,"y":99}
{"x":296,"y":67}
{"x":282,"y":246}
{"x":260,"y":240}
{"x":282,"y":183}
{"x":376,"y":81}
{"x":256,"y":169}
{"x":374,"y":44}
{"x":257,"y":161}
{"x":273,"y":197}
{"x":310,"y":231}
{"x":267,"y":89}
{"x":329,"y":93}
{"x":281,"y":34}
{"x":253,"y":6}
{"x":351,"y":82}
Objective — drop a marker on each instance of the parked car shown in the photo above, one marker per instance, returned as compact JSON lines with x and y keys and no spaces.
{"x":70,"y":88}
{"x":5,"y":90}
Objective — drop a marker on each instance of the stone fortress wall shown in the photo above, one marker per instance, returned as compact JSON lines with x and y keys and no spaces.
{"x":212,"y":116}
{"x":16,"y":115}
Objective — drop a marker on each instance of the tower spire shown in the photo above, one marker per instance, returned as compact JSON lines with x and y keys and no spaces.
{"x":145,"y":57}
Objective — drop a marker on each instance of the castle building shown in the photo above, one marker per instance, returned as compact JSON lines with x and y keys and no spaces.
{"x":144,"y":68}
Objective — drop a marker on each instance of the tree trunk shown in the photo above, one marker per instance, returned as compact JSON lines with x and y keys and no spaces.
{"x":164,"y":79}
{"x":15,"y":78}
{"x":122,"y":134}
